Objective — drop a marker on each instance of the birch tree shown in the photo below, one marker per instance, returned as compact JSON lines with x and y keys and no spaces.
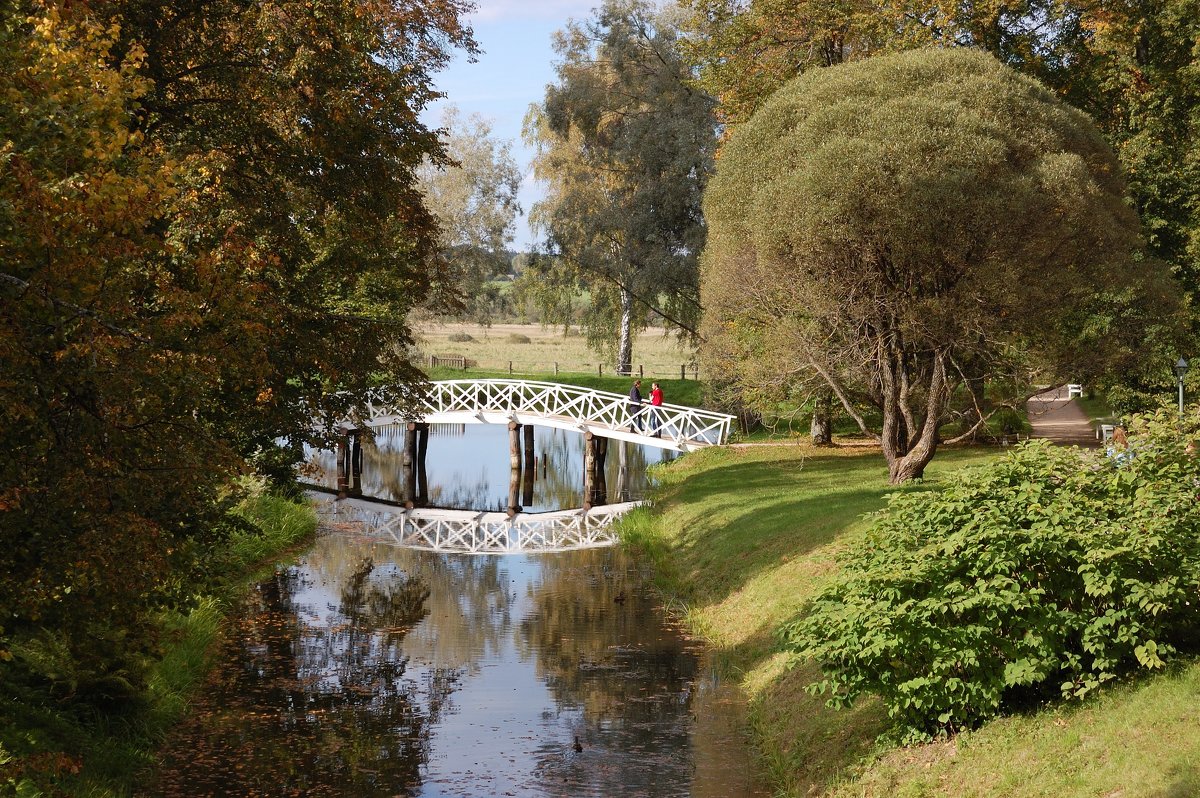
{"x":624,"y":144}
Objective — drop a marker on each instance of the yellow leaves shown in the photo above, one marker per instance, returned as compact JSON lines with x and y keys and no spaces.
{"x":264,"y":397}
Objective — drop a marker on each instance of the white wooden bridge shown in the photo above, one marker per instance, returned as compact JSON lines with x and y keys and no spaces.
{"x":469,"y":532}
{"x":601,"y":413}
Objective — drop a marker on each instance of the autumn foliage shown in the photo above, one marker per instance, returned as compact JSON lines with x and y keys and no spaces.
{"x":209,"y":235}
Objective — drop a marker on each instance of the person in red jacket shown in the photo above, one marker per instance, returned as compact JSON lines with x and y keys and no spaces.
{"x":655,"y":415}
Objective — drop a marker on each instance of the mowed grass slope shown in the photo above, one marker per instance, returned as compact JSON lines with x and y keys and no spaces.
{"x":744,"y":537}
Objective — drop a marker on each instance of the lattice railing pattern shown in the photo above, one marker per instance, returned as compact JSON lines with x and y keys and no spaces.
{"x":464,"y":531}
{"x":598,"y":410}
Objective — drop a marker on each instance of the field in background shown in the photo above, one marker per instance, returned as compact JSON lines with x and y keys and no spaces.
{"x":495,"y":347}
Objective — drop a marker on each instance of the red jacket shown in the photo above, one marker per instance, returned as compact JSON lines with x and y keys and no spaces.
{"x":656,"y":396}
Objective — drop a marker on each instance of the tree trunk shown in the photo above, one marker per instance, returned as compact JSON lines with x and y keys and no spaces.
{"x":907,"y":461}
{"x":625,"y":343}
{"x":821,"y":428}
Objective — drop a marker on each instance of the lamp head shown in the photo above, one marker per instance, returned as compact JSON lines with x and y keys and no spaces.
{"x":1181,"y":368}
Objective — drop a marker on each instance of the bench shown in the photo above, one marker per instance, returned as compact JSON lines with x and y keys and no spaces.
{"x":1074,"y":391}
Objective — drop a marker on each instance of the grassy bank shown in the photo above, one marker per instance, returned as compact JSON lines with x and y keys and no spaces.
{"x":45,"y":748}
{"x":742,"y":538}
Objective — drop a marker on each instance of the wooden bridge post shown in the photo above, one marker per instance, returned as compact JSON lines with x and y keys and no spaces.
{"x":589,"y":469}
{"x":356,"y":463}
{"x":514,"y":472}
{"x":407,"y":477}
{"x":622,"y":473}
{"x":595,"y":451}
{"x":422,"y":497}
{"x":600,"y":485}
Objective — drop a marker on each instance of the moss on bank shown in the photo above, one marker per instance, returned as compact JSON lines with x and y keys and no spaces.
{"x":743,"y":537}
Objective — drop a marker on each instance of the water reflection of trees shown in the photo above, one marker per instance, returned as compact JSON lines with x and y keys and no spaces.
{"x":470,"y":596}
{"x":314,"y":699}
{"x":599,"y":645}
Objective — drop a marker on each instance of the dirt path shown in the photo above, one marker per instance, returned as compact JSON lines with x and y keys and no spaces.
{"x":1055,"y":417}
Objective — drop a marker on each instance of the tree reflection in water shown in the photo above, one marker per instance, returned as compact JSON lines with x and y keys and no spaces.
{"x":372,"y":670}
{"x":599,"y":643}
{"x":313,"y":700}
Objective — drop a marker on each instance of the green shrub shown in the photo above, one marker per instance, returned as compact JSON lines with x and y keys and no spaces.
{"x":1047,"y":573}
{"x":460,"y":337}
{"x":518,"y":338}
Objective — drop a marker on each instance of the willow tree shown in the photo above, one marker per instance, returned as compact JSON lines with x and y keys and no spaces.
{"x":624,"y":143}
{"x":911,"y":227}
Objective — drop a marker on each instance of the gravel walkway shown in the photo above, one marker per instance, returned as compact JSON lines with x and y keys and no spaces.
{"x":1052,"y":415}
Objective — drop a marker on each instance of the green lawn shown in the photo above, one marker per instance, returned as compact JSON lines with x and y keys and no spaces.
{"x":743,"y":537}
{"x":1097,"y":410}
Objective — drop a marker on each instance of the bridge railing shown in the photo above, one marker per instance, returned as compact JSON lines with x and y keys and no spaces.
{"x":585,"y":405}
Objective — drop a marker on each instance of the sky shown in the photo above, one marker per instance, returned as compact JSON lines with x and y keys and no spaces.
{"x":510,"y":74}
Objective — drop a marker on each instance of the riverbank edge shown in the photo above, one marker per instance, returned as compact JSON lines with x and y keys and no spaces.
{"x":716,"y":510}
{"x":115,"y":755}
{"x":289,"y":526}
{"x":699,"y":584}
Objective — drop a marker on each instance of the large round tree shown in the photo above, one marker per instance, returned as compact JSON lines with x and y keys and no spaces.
{"x":909,"y":229}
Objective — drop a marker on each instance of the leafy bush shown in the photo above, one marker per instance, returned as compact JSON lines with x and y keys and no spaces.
{"x":518,"y":338}
{"x":1047,"y":573}
{"x":460,"y":337}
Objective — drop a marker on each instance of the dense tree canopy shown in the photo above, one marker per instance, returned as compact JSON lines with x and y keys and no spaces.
{"x":1133,"y":66}
{"x":625,"y":145}
{"x":746,"y":50}
{"x":908,"y":228}
{"x":210,"y":232}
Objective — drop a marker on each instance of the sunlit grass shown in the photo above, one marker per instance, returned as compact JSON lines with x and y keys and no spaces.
{"x":1097,"y":410}
{"x":659,"y":355}
{"x":1139,"y":740}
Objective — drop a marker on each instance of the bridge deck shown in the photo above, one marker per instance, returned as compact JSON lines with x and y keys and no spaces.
{"x":602,"y":413}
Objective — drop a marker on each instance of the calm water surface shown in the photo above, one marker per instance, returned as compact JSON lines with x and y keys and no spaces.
{"x":468,"y":468}
{"x":370,"y":670}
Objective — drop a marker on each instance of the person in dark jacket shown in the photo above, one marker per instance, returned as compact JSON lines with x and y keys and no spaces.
{"x":635,"y":406}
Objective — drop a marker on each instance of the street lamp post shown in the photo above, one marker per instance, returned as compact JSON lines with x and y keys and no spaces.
{"x":1181,"y":370}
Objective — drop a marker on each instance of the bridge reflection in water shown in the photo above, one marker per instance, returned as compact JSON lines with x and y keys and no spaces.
{"x":469,"y":532}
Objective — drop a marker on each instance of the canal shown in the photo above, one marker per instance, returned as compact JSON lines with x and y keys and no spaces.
{"x":366,"y":669}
